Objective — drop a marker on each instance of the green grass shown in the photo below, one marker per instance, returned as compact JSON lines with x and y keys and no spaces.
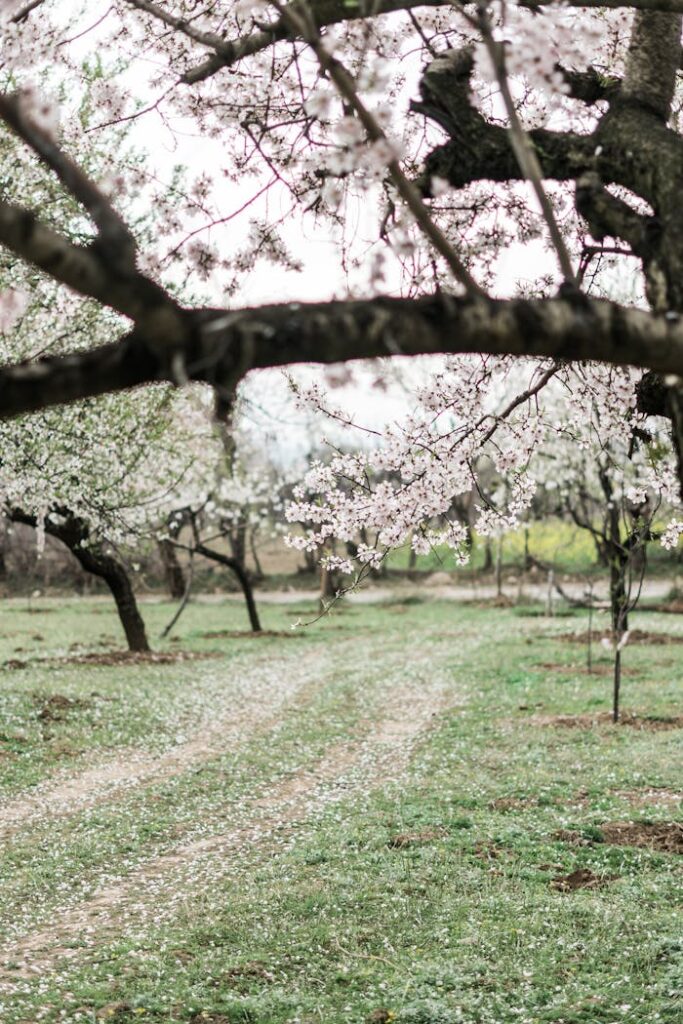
{"x":326,"y":920}
{"x":553,"y":541}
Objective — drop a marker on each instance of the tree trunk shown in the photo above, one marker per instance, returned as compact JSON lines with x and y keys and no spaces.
{"x":175,"y":578}
{"x":618,"y":595}
{"x":617,"y":685}
{"x":328,"y":586}
{"x":254,"y":554}
{"x":114,"y":574}
{"x":3,"y":549}
{"x":237,"y":541}
{"x":309,"y":561}
{"x":74,"y":534}
{"x":499,"y":567}
{"x":243,"y":578}
{"x":619,"y":610}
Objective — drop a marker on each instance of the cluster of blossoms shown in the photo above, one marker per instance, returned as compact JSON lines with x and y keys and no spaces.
{"x":535,"y":47}
{"x":403,"y":488}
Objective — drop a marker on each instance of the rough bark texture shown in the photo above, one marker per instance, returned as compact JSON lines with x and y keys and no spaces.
{"x":220,"y":348}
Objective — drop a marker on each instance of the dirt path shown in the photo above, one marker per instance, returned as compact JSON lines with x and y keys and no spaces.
{"x":346,"y":769}
{"x":252,"y":709}
{"x":438,"y":588}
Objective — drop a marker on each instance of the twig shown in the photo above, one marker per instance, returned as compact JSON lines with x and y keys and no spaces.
{"x":346,"y":88}
{"x":184,"y":600}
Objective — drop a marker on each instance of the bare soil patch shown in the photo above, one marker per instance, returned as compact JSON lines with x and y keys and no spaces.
{"x":581,"y":878}
{"x":510,"y":803}
{"x":662,"y":836}
{"x":254,"y":969}
{"x":115,"y":658}
{"x":488,"y":850}
{"x":113,"y":1013}
{"x":665,"y":836}
{"x":652,"y":795}
{"x":55,"y":707}
{"x":406,"y":839}
{"x":636,"y":636}
{"x":247,"y":634}
{"x":628,"y":719}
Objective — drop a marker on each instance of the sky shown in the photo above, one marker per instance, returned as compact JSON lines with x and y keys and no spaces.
{"x":321,"y":277}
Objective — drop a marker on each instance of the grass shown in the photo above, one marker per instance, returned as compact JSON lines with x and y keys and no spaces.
{"x":330,"y":916}
{"x":552,"y":541}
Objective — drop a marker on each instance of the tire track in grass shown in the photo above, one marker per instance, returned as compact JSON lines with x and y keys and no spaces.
{"x":154,"y":888}
{"x":254,"y":708}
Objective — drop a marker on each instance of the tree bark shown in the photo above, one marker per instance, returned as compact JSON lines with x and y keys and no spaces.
{"x":258,"y":568}
{"x":175,"y":578}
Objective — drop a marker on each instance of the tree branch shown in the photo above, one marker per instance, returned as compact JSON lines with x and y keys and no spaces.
{"x":346,"y":88}
{"x":208,"y":39}
{"x":523,"y":147}
{"x":23,"y":12}
{"x":220,"y":346}
{"x":89,"y":272}
{"x":607,"y":215}
{"x":331,"y":12}
{"x":478,"y":150}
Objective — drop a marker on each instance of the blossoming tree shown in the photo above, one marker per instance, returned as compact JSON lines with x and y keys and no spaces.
{"x":450,"y":131}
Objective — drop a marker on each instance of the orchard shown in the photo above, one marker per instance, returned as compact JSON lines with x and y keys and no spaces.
{"x":341,"y":470}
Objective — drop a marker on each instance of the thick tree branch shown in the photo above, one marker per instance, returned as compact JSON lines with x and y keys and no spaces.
{"x":24,"y":11}
{"x":607,"y":215}
{"x":321,"y":12}
{"x":654,"y":57}
{"x":478,"y":150}
{"x":590,"y":86}
{"x":221,"y":346}
{"x":90,"y":273}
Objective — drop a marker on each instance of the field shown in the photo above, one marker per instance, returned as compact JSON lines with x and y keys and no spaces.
{"x":411,"y":811}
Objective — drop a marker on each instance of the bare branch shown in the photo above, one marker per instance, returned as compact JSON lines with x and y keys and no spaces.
{"x":331,"y":12}
{"x":407,"y":190}
{"x":208,"y":39}
{"x":221,"y":346}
